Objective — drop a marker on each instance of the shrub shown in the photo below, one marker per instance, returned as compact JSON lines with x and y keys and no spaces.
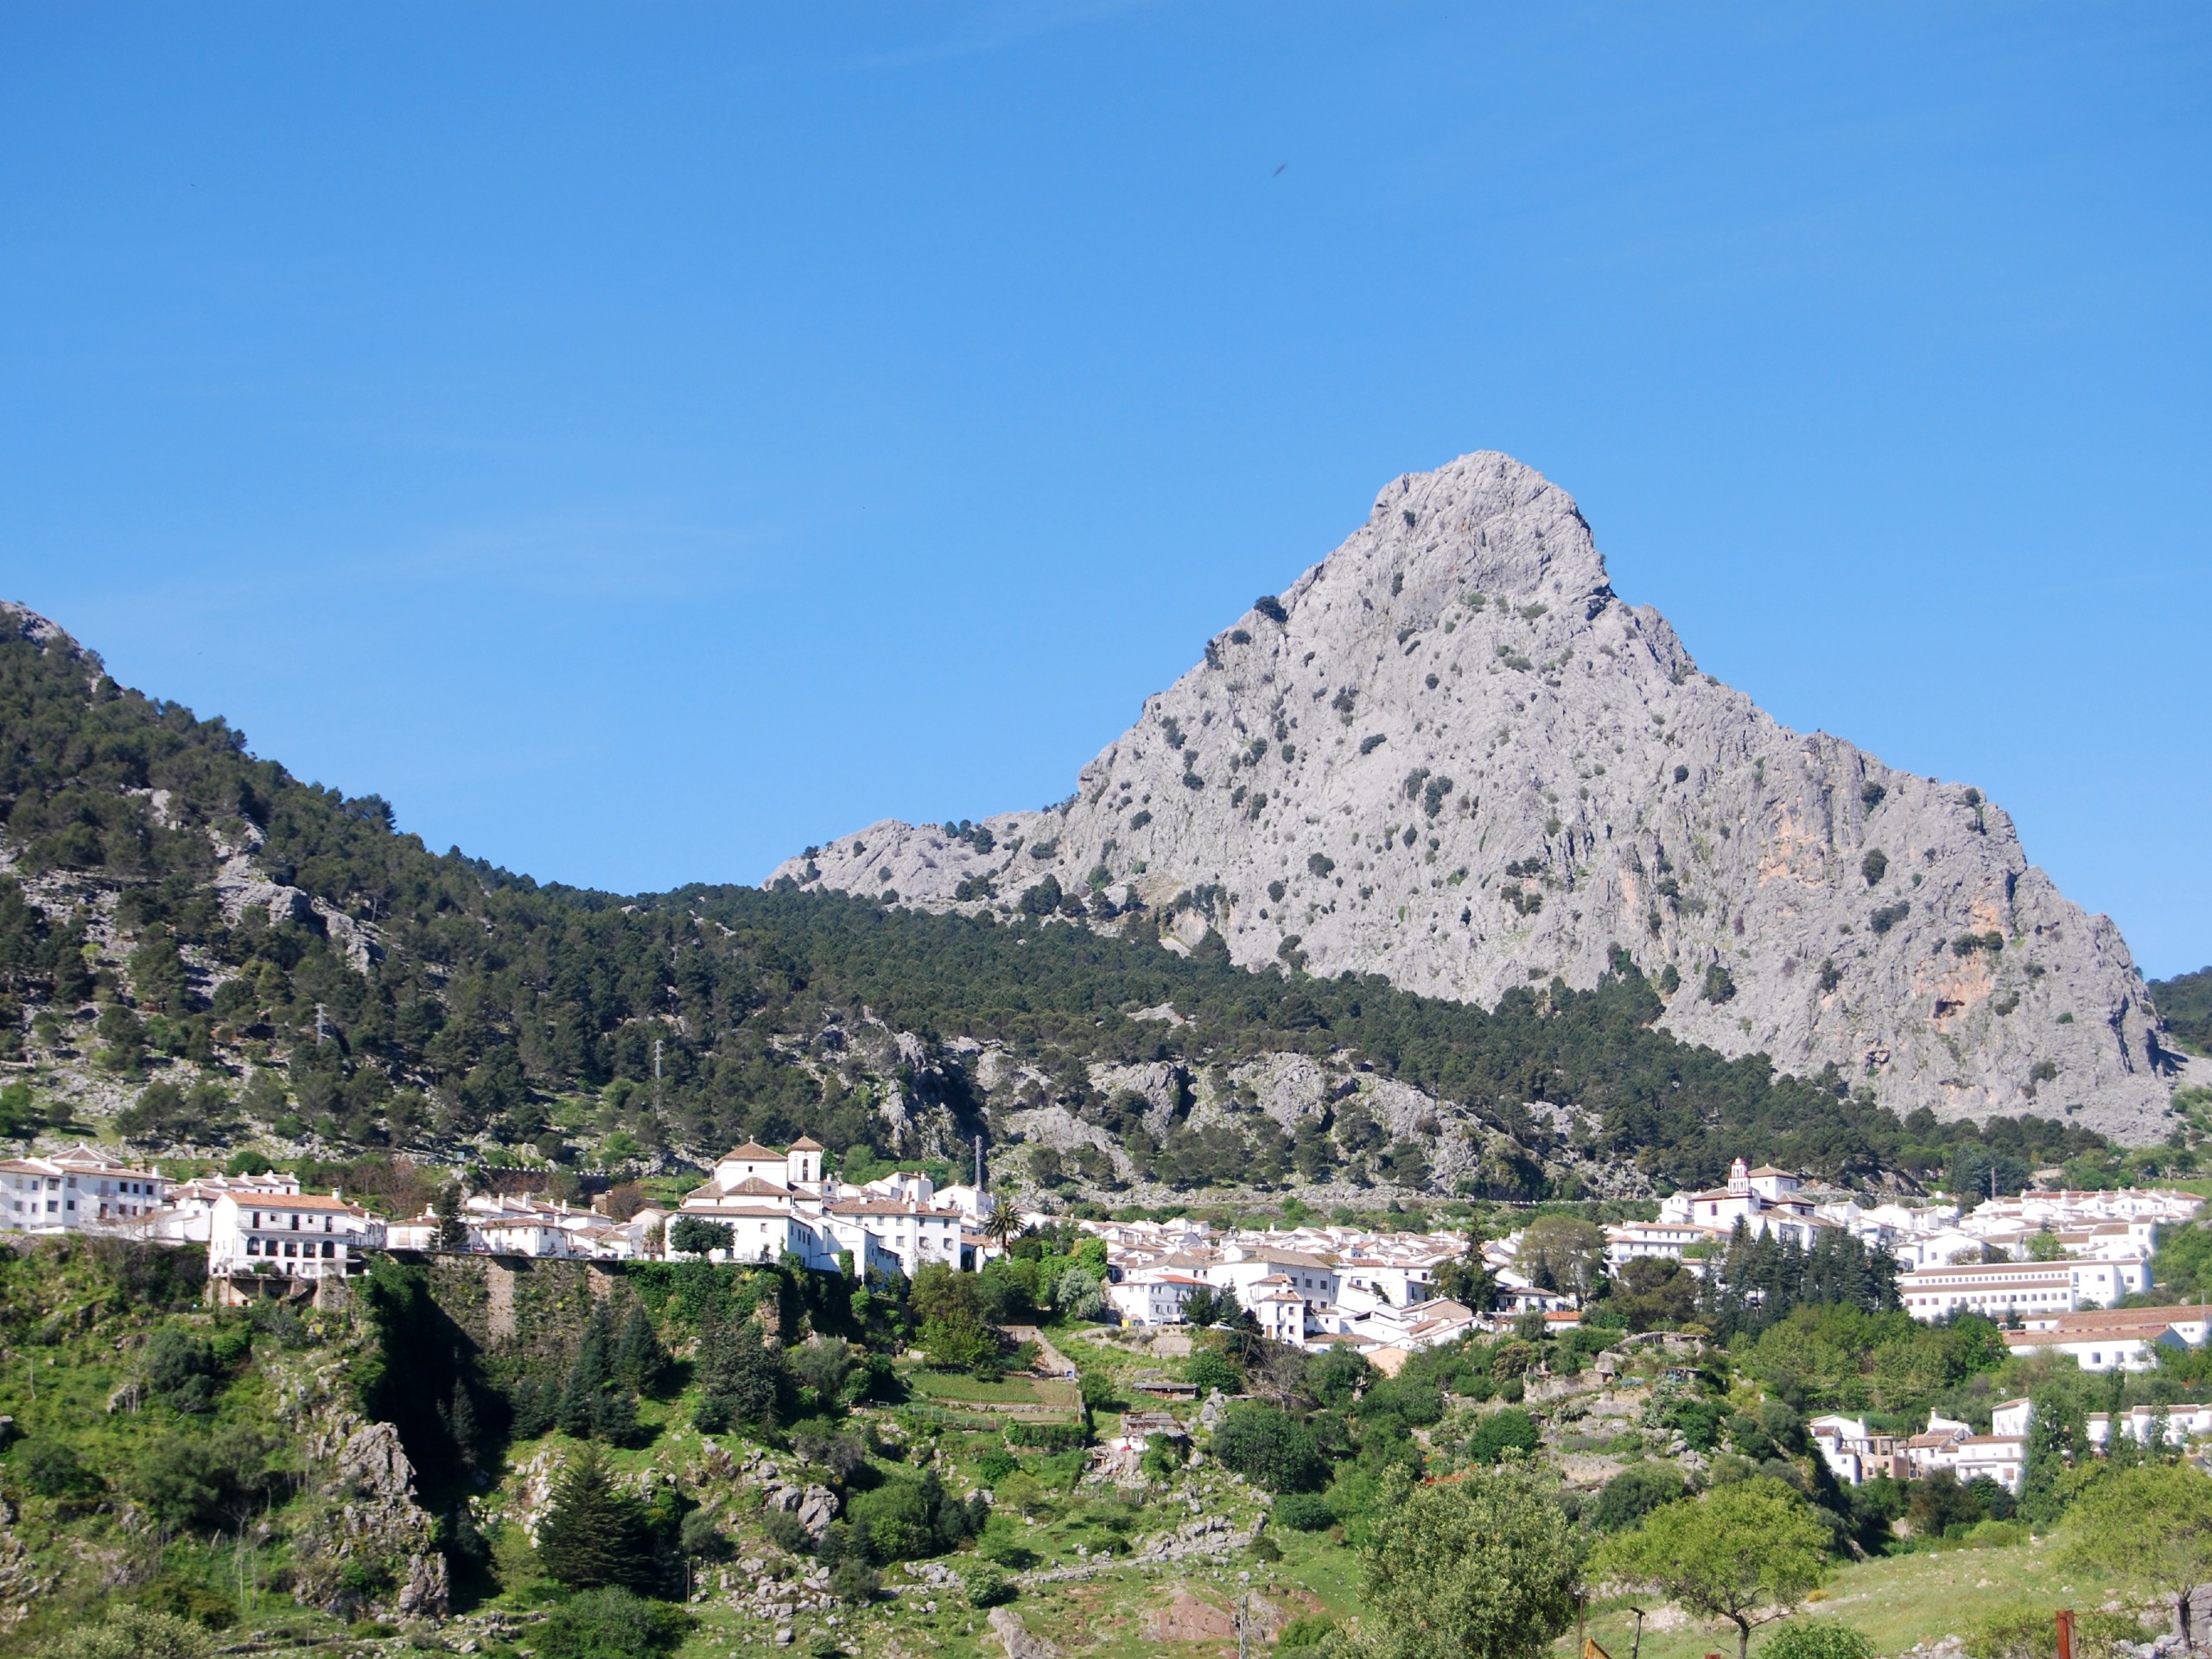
{"x":853,"y":1581}
{"x":2015,"y":1631}
{"x":1138,"y":820}
{"x":702,"y":1536}
{"x":51,"y":1469}
{"x":1314,"y":1628}
{"x":1369,"y":745}
{"x":1510,"y":1430}
{"x":611,"y":1623}
{"x":1211,"y":1369}
{"x":1682,"y":774}
{"x":1831,"y":976}
{"x":132,"y":1633}
{"x":1319,"y":863}
{"x":207,"y":1481}
{"x":987,"y":1586}
{"x":1635,"y":1493}
{"x":1816,"y":1638}
{"x":1888,"y":916}
{"x":1304,"y":1512}
{"x":1872,"y":866}
{"x":180,"y":1370}
{"x":1871,"y":794}
{"x":1271,"y":607}
{"x":897,"y":1518}
{"x":1275,"y":890}
{"x":1719,"y":984}
{"x":786,"y":1532}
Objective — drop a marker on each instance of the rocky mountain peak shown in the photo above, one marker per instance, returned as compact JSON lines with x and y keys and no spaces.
{"x":1448,"y":754}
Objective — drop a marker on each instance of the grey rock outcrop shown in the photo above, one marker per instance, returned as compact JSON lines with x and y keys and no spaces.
{"x":367,"y":1516}
{"x":1451,"y":754}
{"x":1015,"y":1636}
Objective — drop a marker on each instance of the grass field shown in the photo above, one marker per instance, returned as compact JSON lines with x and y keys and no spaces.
{"x":1899,"y":1601}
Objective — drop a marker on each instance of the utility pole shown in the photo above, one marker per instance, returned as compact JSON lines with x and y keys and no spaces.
{"x":979,"y":1166}
{"x":656,"y":1076}
{"x":321,"y":1034}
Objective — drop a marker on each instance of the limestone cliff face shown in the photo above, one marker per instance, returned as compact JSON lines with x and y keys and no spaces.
{"x":1450,"y":754}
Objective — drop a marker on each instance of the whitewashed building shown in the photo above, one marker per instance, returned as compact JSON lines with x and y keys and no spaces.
{"x":295,"y":1236}
{"x":2113,"y":1339}
{"x":81,"y":1190}
{"x":1154,"y":1295}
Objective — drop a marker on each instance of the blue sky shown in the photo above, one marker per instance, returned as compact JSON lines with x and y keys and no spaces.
{"x":641,"y":441}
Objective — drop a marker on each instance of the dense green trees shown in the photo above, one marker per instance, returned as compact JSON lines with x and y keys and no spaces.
{"x":948,"y":1311}
{"x":1760,"y":1280}
{"x":1271,"y":1448}
{"x":742,"y":1383}
{"x":2185,"y":1002}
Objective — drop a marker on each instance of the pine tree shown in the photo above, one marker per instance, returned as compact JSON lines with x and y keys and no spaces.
{"x":740,"y":1382}
{"x":596,"y":1534}
{"x":458,"y":1413}
{"x":588,"y":1377}
{"x":639,"y":1362}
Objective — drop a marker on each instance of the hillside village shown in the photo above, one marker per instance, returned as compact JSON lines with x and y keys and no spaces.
{"x":2034,"y":1261}
{"x":1146,"y":1385}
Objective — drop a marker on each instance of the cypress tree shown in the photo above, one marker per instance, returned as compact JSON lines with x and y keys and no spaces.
{"x":2057,"y":1435}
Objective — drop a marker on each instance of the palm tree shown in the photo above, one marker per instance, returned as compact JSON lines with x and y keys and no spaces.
{"x":1002,"y":1226}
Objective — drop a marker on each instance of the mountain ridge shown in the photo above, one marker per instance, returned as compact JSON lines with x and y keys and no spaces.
{"x":1449,"y":754}
{"x":199,"y":952}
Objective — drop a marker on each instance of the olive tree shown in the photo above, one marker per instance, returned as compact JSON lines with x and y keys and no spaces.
{"x":1745,"y":1553}
{"x":2151,"y":1525}
{"x":1485,"y":1567}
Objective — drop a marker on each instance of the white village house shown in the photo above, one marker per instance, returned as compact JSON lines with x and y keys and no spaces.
{"x":80,"y":1190}
{"x":299,"y":1236}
